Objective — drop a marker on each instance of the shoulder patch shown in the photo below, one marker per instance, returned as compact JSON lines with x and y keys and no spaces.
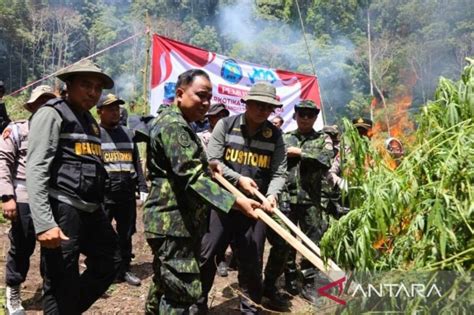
{"x":328,"y":145}
{"x":267,"y":133}
{"x":183,"y":139}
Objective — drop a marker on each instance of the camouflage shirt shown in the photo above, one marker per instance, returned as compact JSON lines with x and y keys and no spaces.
{"x":182,"y":191}
{"x":305,"y":172}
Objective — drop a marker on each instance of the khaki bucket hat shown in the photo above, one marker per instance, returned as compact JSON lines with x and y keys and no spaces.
{"x":40,"y":91}
{"x":86,"y":67}
{"x":263,"y":92}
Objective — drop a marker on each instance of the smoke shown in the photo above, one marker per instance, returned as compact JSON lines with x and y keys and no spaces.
{"x":125,"y":86}
{"x":236,"y":22}
{"x":281,"y":45}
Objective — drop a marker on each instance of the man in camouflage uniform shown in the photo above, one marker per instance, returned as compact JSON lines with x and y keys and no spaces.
{"x":332,"y":183}
{"x":182,"y":192}
{"x":309,"y":157}
{"x":13,"y":148}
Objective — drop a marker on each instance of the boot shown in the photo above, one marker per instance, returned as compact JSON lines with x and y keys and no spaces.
{"x":309,"y":293}
{"x":132,"y":279}
{"x":278,"y":300}
{"x":291,"y":283}
{"x":13,"y":303}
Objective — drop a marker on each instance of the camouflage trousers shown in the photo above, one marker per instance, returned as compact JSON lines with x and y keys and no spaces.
{"x":176,"y":283}
{"x":312,"y":223}
{"x":278,"y":255}
{"x":282,"y":257}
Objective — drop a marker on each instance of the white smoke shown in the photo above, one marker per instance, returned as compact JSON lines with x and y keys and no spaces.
{"x":280,"y":44}
{"x":125,"y":87}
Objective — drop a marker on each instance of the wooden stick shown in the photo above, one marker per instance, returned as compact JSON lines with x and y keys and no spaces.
{"x":300,"y":247}
{"x":298,"y":232}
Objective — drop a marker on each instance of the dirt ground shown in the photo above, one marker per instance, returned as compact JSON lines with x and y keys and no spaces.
{"x":124,"y":299}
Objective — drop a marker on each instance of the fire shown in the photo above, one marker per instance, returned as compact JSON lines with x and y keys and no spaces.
{"x":393,"y":119}
{"x":400,"y":123}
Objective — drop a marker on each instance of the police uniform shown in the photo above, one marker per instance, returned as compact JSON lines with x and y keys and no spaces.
{"x":332,"y":180}
{"x":65,"y":181}
{"x":176,"y":212}
{"x":13,"y":150}
{"x":303,"y":194}
{"x":122,"y":163}
{"x":13,"y":145}
{"x":261,"y":157}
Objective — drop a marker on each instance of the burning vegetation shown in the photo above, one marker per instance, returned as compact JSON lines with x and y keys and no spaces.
{"x":420,"y":215}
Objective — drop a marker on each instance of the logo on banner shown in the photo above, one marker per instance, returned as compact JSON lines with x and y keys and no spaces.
{"x":170,"y":89}
{"x":231,"y":71}
{"x":260,"y":74}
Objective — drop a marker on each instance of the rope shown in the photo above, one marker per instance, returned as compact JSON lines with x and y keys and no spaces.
{"x":88,"y":57}
{"x":310,"y":58}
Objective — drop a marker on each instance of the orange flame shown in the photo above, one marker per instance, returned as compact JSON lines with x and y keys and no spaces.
{"x":395,"y":120}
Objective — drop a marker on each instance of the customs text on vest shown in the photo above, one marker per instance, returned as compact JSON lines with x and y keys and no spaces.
{"x":251,"y":157}
{"x":117,"y":154}
{"x":77,"y":169}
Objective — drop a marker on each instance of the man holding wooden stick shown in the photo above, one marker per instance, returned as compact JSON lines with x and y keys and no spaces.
{"x":251,"y":152}
{"x":309,"y":157}
{"x":176,"y":211}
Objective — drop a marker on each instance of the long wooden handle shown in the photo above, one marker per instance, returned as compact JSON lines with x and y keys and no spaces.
{"x":300,"y":247}
{"x":298,"y":232}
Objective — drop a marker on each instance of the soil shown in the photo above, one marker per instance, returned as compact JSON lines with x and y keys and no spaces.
{"x":125,"y":299}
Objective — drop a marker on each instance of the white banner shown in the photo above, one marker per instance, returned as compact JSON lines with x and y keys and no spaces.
{"x":231,"y":79}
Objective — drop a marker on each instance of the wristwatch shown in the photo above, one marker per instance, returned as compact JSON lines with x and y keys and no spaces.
{"x":6,"y":198}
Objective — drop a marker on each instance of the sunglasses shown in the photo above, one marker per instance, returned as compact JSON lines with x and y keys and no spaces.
{"x":265,"y":107}
{"x":308,"y":114}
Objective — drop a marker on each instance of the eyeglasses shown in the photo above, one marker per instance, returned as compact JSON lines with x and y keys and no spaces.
{"x":308,"y":114}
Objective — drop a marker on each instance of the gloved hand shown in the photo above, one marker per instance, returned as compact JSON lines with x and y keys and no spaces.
{"x":143,"y":196}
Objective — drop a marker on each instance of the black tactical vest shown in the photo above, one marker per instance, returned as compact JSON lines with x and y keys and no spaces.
{"x":247,"y":156}
{"x":117,"y":154}
{"x":77,"y":169}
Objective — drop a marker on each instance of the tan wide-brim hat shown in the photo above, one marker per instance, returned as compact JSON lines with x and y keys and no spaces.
{"x":86,"y":67}
{"x":263,"y":92}
{"x":110,"y":99}
{"x":40,"y":91}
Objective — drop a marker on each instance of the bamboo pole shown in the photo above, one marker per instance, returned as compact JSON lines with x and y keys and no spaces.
{"x":147,"y":58}
{"x":334,"y":275}
{"x":298,"y":232}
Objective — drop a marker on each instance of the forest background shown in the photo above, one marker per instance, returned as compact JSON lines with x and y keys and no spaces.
{"x":412,"y":43}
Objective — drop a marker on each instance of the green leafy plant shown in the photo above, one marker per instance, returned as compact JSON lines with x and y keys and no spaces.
{"x":421,"y":215}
